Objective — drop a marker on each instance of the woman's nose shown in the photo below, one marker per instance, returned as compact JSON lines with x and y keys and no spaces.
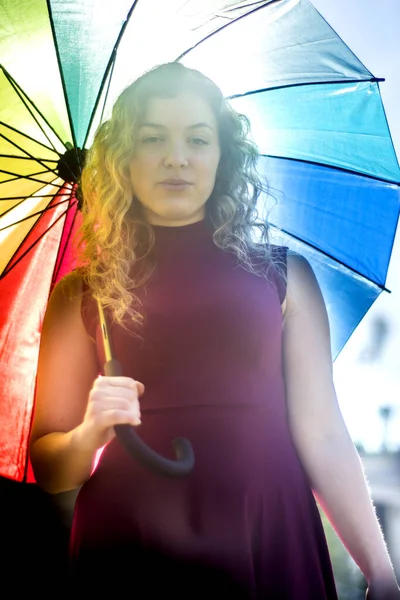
{"x":176,"y":155}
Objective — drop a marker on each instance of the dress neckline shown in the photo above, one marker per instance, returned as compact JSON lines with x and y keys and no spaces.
{"x":194,"y":231}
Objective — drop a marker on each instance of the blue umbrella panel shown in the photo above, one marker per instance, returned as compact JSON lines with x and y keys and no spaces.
{"x":317,"y":116}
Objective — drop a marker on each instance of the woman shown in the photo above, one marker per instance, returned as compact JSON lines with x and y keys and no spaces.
{"x":222,"y":340}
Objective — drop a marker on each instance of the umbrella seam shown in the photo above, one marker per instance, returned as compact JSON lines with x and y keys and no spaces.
{"x":30,"y":175}
{"x":109,"y":69}
{"x":21,"y":94}
{"x":60,"y":70}
{"x":208,"y":36}
{"x":9,"y":269}
{"x":26,"y":197}
{"x":306,"y":83}
{"x":332,"y":167}
{"x":59,"y":259}
{"x":105,"y":101}
{"x":39,"y":212}
{"x":320,"y":251}
{"x":28,"y":137}
{"x":33,"y":178}
{"x":387,"y":124}
{"x":27,"y":158}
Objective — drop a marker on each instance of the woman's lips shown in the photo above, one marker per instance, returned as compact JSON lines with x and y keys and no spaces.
{"x":175,"y":185}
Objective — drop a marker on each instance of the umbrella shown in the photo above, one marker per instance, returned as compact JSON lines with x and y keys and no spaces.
{"x":316,"y":115}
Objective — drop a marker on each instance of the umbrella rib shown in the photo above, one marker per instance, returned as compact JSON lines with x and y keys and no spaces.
{"x":332,"y":167}
{"x":28,"y":137}
{"x":32,"y":178}
{"x":251,"y":12}
{"x":304,"y":84}
{"x":39,"y":212}
{"x":104,"y":103}
{"x":320,"y":251}
{"x":28,"y":155}
{"x":248,"y":5}
{"x":60,"y":259}
{"x":23,"y":97}
{"x":8,"y":270}
{"x":110,"y":66}
{"x":24,"y":199}
{"x":60,"y":70}
{"x":7,"y":180}
{"x":40,"y":172}
{"x":18,"y":175}
{"x":27,"y":158}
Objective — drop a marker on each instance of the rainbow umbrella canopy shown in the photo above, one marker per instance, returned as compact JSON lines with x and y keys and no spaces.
{"x":316,"y":115}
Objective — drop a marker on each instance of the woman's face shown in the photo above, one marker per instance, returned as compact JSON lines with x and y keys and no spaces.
{"x":175,"y":163}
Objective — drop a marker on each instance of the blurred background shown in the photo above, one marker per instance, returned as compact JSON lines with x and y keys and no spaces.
{"x":367,"y":372}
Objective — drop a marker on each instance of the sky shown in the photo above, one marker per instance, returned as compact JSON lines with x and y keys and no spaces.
{"x":370,"y":29}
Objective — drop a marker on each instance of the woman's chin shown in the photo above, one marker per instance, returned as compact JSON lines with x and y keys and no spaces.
{"x":175,"y":214}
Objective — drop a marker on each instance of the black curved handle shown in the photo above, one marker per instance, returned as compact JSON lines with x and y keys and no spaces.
{"x":127,"y":435}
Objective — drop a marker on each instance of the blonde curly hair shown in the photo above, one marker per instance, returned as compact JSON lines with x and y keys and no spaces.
{"x":114,"y":235}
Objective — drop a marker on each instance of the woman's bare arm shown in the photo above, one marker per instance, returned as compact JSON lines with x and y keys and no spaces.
{"x":319,"y":432}
{"x":67,"y":369}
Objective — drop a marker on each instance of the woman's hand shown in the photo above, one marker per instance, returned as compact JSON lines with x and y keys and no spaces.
{"x":383,"y":590}
{"x":112,"y":401}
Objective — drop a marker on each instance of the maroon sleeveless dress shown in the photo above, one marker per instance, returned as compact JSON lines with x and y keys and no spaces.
{"x":244,"y":524}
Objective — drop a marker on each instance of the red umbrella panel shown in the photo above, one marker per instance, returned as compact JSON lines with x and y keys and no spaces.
{"x":42,"y":258}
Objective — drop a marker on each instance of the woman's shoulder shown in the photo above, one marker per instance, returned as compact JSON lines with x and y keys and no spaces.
{"x":302,"y":284}
{"x":68,"y":295}
{"x":275,"y":268}
{"x":62,"y":312}
{"x":72,"y":304}
{"x":286,"y":258}
{"x":298,"y":266}
{"x":293,"y":270}
{"x":70,"y":287}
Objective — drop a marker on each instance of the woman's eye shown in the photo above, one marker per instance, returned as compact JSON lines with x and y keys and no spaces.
{"x":151,"y":139}
{"x":199,"y":141}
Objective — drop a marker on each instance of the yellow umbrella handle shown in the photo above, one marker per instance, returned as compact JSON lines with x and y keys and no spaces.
{"x":127,"y":435}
